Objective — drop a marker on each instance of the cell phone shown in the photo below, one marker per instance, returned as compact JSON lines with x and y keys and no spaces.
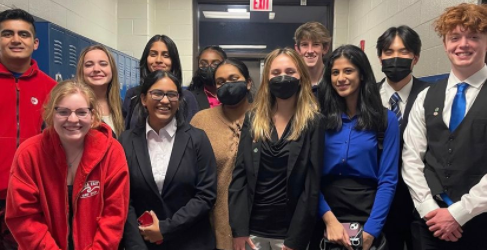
{"x":354,"y":231}
{"x":146,"y":220}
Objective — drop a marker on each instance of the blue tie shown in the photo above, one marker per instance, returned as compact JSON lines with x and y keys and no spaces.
{"x":394,"y":101}
{"x":458,"y":107}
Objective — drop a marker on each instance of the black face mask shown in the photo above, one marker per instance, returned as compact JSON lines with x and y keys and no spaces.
{"x":206,"y":75}
{"x":397,"y":68}
{"x":232,"y":93}
{"x":283,"y":87}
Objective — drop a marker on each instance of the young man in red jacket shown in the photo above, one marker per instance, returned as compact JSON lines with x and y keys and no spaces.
{"x":23,"y":91}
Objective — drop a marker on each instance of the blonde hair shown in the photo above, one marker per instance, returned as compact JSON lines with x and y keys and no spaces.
{"x":306,"y":106}
{"x":314,"y":31}
{"x":64,"y":89}
{"x":113,"y":91}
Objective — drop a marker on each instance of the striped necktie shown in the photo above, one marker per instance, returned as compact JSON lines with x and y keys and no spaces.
{"x":394,"y":102}
{"x":458,"y":107}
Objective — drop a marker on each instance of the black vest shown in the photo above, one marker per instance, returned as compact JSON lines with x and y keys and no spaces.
{"x":455,"y":162}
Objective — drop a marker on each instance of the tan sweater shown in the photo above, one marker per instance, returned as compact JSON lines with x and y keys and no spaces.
{"x":224,"y":138}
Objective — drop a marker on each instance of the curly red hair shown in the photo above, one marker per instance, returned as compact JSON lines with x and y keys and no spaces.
{"x":472,"y":17}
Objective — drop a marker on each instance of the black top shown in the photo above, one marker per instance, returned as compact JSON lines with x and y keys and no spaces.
{"x":454,"y":161}
{"x":268,"y":217}
{"x":70,"y":221}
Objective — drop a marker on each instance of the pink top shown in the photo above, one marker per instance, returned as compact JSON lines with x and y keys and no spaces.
{"x":212,"y":99}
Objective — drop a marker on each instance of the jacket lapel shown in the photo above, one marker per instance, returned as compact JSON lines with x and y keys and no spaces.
{"x":417,"y":87}
{"x":142,"y":154}
{"x":294,"y":150}
{"x":180,"y":142}
{"x":256,"y":148}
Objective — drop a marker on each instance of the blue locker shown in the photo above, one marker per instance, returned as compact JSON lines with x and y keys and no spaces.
{"x":82,"y":44}
{"x":121,"y":72}
{"x":59,"y":52}
{"x":133,"y":73}
{"x":128,"y":65}
{"x":72,"y":46}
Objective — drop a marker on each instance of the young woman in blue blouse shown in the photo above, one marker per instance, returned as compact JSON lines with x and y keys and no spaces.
{"x":358,"y":180}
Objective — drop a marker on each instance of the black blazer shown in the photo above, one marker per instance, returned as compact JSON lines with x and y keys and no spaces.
{"x":303,"y":185}
{"x":201,"y":98}
{"x":188,"y":193}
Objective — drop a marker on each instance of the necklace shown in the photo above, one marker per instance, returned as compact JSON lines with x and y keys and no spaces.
{"x":70,"y":164}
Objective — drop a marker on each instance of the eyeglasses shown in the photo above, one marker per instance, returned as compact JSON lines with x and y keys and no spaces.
{"x":158,"y":95}
{"x":80,"y":113}
{"x":204,"y":65}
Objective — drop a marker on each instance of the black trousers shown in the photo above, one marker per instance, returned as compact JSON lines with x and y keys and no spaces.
{"x":473,"y":237}
{"x":398,"y":224}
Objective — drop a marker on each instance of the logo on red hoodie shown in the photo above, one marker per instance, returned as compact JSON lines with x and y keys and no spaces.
{"x":90,"y":189}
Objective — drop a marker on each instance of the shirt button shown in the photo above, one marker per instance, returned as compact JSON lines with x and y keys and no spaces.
{"x":450,"y":150}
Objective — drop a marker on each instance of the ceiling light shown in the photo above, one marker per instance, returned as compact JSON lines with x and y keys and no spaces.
{"x":243,"y":46}
{"x":272,"y":15}
{"x":226,"y":15}
{"x":237,"y":10}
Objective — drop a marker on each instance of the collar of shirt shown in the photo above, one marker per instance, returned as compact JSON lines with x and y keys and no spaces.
{"x":476,"y":80}
{"x":345,"y":118}
{"x":208,"y":93}
{"x":388,"y":91}
{"x":169,"y":129}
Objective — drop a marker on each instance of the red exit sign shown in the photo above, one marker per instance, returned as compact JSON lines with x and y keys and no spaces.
{"x":260,"y":5}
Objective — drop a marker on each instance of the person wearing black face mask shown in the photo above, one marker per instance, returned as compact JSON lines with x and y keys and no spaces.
{"x":273,"y":195}
{"x":398,"y":49}
{"x":203,"y":84}
{"x":223,"y":126}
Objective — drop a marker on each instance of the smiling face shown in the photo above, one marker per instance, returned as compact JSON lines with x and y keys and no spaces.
{"x":17,"y":41}
{"x":163,"y":111}
{"x":345,"y":78}
{"x":72,"y":129}
{"x":96,"y":68}
{"x":466,"y":50}
{"x":311,"y":51}
{"x":158,"y":58}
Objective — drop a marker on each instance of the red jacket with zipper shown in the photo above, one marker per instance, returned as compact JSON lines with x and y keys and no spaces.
{"x":21,"y":103}
{"x":37,"y":199}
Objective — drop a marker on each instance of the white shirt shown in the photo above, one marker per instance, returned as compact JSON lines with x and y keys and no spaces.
{"x":160,"y":149}
{"x":108,"y":120}
{"x":415,"y":144}
{"x":386,"y":91}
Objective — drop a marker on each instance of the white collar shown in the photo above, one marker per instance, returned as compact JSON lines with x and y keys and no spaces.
{"x":403,"y":93}
{"x":170,"y":128}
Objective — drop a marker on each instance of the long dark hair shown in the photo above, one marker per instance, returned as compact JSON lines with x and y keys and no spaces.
{"x":172,"y":49}
{"x":150,"y":80}
{"x":370,"y":115}
{"x":242,"y":68}
{"x":196,"y":81}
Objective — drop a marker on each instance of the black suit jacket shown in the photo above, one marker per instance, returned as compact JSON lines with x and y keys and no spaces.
{"x":188,"y":193}
{"x":401,"y":212}
{"x":201,"y":98}
{"x":303,"y":182}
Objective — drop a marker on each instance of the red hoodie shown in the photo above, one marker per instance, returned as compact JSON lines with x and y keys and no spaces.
{"x":37,"y":199}
{"x":21,"y":103}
